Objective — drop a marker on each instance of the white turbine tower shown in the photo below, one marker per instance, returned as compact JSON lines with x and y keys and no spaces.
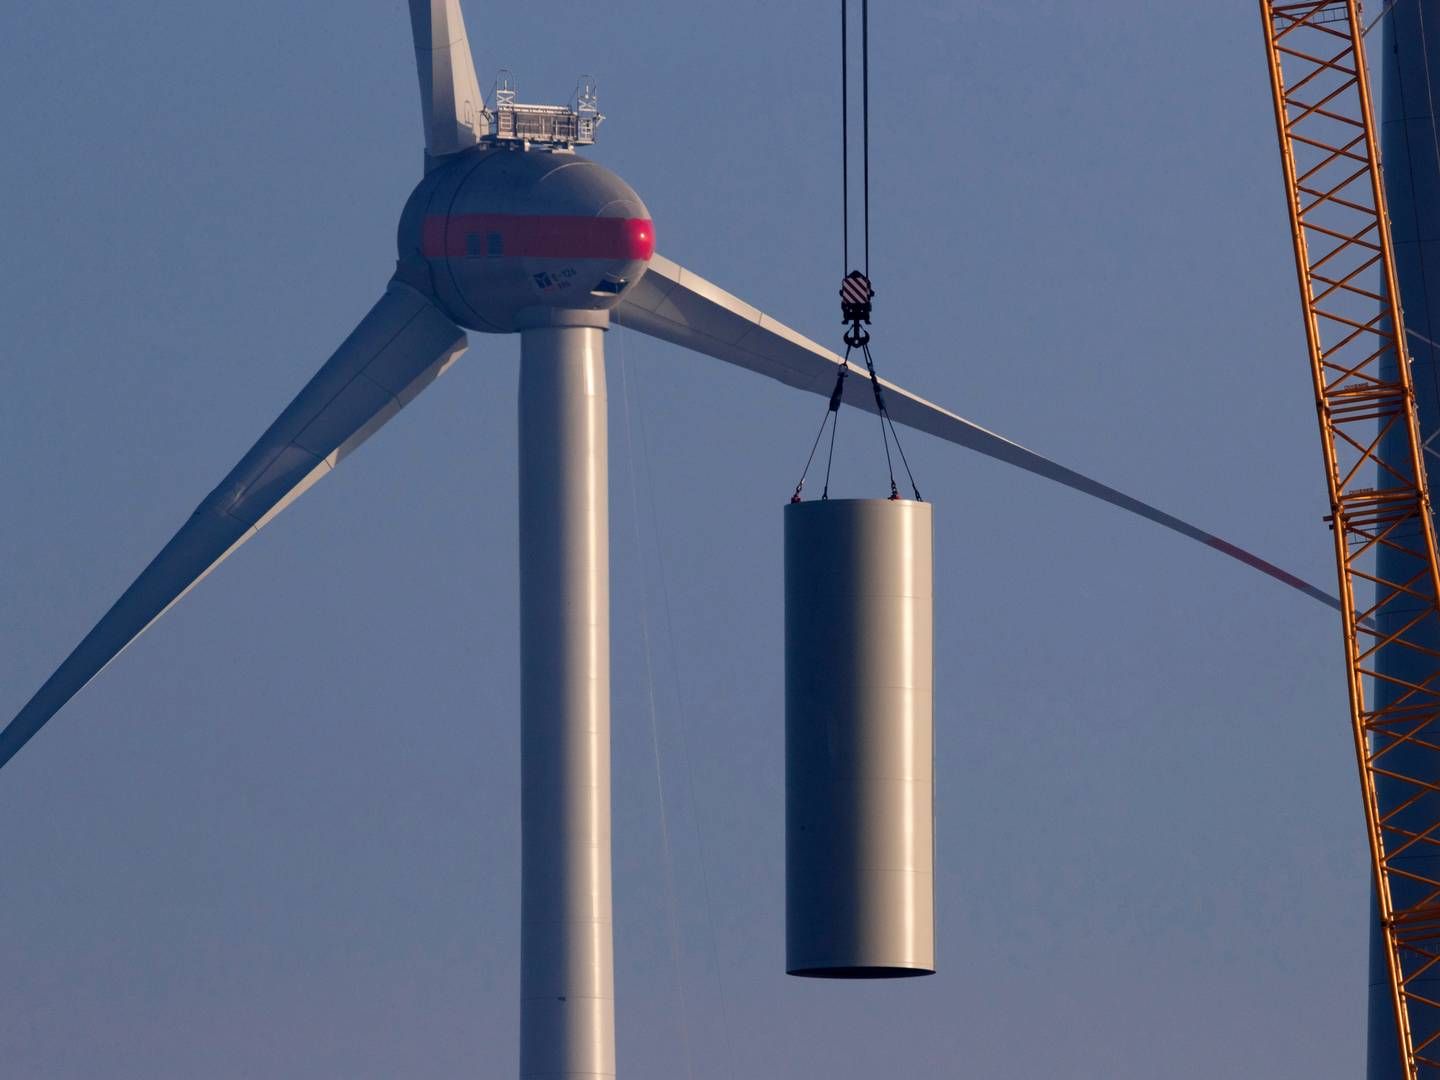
{"x":510,"y":231}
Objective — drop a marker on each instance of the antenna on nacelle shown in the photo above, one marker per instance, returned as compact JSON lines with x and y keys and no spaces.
{"x":504,"y":91}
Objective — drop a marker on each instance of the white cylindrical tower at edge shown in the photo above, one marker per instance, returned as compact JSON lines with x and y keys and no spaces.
{"x":859,"y":775}
{"x":567,"y":1008}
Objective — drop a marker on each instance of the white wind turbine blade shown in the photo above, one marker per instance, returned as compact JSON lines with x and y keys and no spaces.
{"x":679,"y":306}
{"x":451,"y":104}
{"x":398,"y":349}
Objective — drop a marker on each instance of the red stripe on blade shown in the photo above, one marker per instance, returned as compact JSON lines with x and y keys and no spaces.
{"x":1258,"y":563}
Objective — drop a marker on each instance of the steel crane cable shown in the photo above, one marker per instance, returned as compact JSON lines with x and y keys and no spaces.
{"x":667,"y":856}
{"x":1383,"y":12}
{"x":856,"y":292}
{"x":885,"y":418}
{"x":845,"y":139}
{"x":682,"y":722}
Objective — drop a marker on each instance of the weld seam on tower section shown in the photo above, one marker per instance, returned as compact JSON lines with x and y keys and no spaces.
{"x":567,"y":952}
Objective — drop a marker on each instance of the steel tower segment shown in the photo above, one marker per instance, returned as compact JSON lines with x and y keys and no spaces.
{"x":1409,"y":149}
{"x":1379,"y":499}
{"x":567,"y":967}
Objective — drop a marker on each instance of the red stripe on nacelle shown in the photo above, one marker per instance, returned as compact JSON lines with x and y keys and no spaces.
{"x":539,"y":236}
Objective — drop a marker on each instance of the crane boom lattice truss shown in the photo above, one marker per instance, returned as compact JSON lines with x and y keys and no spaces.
{"x":1378,"y":497}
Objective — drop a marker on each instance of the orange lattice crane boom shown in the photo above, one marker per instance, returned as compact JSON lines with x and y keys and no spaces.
{"x":1379,"y":503}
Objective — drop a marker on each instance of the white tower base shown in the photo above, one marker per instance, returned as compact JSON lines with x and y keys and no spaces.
{"x":567,"y":980}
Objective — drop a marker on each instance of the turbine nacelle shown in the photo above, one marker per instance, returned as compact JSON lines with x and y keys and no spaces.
{"x":503,"y":238}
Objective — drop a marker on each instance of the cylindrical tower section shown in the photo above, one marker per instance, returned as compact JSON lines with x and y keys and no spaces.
{"x":567,"y":981}
{"x":1409,"y":104}
{"x":859,"y":746}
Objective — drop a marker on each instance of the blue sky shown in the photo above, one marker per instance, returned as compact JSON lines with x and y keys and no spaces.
{"x":280,"y":837}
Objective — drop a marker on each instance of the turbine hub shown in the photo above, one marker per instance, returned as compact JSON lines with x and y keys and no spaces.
{"x":501,"y":238}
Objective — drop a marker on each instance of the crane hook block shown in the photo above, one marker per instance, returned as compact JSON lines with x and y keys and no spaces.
{"x":856,"y":295}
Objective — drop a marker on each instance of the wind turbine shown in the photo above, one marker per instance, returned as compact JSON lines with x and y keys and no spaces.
{"x":510,"y":231}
